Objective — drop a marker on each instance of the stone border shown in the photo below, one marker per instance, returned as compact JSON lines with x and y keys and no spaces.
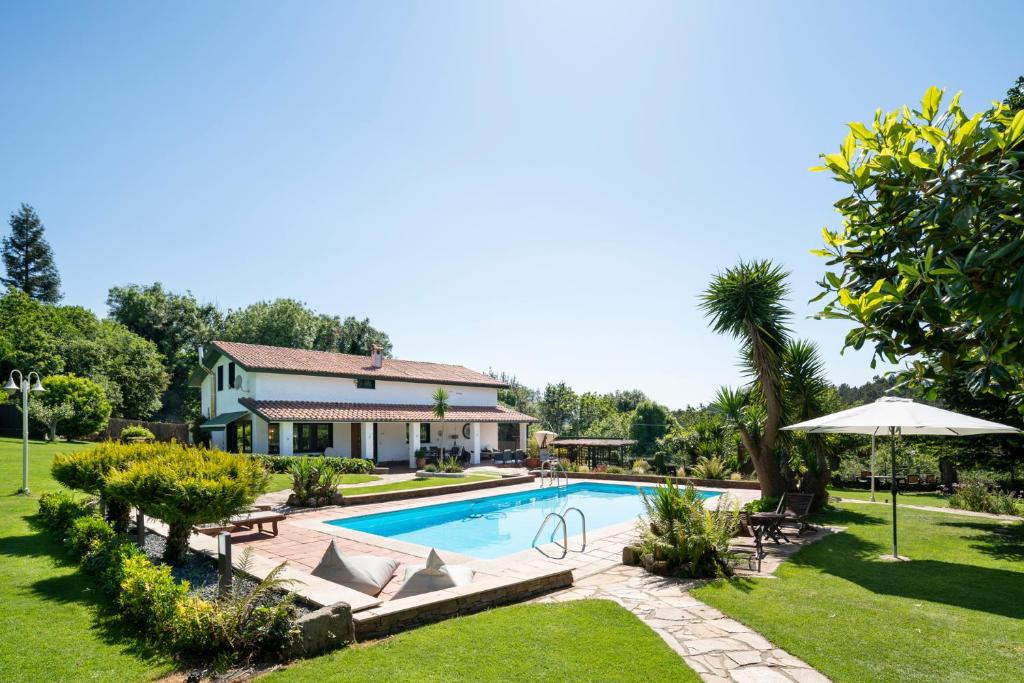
{"x":399,"y":615}
{"x":658,"y":479}
{"x":425,"y":492}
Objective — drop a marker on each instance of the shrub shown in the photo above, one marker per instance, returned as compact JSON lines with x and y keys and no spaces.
{"x":59,"y":509}
{"x":88,"y":471}
{"x":641,"y":466}
{"x":87,"y":534}
{"x":681,"y":471}
{"x":283,"y":464}
{"x":430,"y":468}
{"x":714,"y":467}
{"x":450,"y":464}
{"x":136,"y":433}
{"x":973,"y":494}
{"x":149,"y":595}
{"x":189,"y":486}
{"x":355,"y":466}
{"x":681,"y":537}
{"x":614,"y":469}
{"x":314,"y":481}
{"x":90,"y":409}
{"x":765,"y":504}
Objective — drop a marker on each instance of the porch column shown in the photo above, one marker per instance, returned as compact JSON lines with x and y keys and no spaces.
{"x":522,"y":436}
{"x":367,"y":435}
{"x":474,"y":431}
{"x":414,"y":443}
{"x":285,"y":441}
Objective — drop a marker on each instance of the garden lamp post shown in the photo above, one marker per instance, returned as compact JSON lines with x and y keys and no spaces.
{"x":12,"y":388}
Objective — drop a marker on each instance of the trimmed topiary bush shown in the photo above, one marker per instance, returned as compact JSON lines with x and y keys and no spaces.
{"x":133,"y":433}
{"x":189,"y":486}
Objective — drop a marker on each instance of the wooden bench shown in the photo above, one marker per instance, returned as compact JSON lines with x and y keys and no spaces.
{"x":248,"y":520}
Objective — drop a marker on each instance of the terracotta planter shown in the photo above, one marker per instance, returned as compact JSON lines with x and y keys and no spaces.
{"x":421,"y":463}
{"x":532,"y":463}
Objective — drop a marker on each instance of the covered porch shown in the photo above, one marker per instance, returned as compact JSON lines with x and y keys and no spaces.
{"x":382,"y":433}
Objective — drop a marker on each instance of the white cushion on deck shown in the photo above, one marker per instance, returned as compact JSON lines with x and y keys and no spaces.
{"x":365,"y":574}
{"x":433,"y":576}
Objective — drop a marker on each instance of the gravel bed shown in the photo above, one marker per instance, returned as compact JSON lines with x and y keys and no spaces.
{"x":202,"y":575}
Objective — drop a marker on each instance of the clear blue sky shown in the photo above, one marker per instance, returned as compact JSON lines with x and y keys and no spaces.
{"x":542,"y":188}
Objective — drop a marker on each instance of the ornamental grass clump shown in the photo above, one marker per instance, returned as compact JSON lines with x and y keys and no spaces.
{"x":714,"y":467}
{"x":315,"y":481}
{"x":189,"y":486}
{"x":681,"y":537}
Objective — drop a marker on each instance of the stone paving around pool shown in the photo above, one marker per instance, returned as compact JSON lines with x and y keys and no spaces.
{"x":716,"y":647}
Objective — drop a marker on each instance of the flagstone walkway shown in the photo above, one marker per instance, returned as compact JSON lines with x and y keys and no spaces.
{"x":720,"y":649}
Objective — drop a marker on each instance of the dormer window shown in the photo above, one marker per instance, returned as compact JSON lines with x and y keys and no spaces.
{"x":366,"y":384}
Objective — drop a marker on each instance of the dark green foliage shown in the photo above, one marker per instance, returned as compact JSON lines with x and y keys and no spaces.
{"x":651,"y":421}
{"x":283,"y":464}
{"x":975,"y":495}
{"x":90,"y":409}
{"x":1015,"y":95}
{"x":29,"y":259}
{"x":558,"y":407}
{"x":176,"y":323}
{"x":56,"y":340}
{"x":87,"y":534}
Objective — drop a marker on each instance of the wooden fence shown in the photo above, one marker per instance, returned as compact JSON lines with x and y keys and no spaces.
{"x":163,"y":431}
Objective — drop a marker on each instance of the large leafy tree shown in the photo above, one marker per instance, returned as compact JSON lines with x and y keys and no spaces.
{"x":558,"y":407}
{"x":89,"y":408}
{"x":53,"y":340}
{"x":745,"y":302}
{"x":929,"y":262}
{"x":651,"y":421}
{"x":28,"y":258}
{"x":290,"y":323}
{"x":177,"y":324}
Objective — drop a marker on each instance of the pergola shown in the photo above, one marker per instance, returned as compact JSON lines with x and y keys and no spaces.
{"x":593,"y":451}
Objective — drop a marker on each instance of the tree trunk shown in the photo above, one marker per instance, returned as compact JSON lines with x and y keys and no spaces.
{"x":117,"y":514}
{"x":947,"y":470}
{"x":766,"y":465}
{"x":53,"y":431}
{"x":177,"y":543}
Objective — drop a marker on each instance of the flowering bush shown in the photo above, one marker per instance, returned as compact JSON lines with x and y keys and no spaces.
{"x":974,"y":495}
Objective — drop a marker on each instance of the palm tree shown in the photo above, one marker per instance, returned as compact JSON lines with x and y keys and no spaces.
{"x":440,"y":408}
{"x":807,"y":392}
{"x":746,"y":303}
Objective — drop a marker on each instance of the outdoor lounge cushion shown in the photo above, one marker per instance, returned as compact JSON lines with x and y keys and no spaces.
{"x":365,"y":574}
{"x":433,"y":576}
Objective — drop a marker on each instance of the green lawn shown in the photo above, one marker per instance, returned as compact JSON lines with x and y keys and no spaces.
{"x":587,"y":640}
{"x":953,"y":613}
{"x":426,"y":482}
{"x":280,"y":482}
{"x":902,"y":498}
{"x":53,"y":628}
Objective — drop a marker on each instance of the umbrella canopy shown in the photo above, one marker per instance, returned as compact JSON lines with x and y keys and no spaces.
{"x":903,"y":415}
{"x":899,"y":416}
{"x":544,"y":438}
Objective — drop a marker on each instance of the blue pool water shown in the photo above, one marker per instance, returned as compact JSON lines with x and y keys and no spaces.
{"x":496,"y":526}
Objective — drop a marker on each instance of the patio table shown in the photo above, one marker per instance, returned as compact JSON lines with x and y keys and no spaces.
{"x":767,"y":524}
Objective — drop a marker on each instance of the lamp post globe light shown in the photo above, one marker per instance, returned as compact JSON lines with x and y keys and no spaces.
{"x":23,"y":385}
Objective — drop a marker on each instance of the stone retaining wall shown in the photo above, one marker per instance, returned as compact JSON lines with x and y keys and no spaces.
{"x":325,"y":629}
{"x":425,"y":492}
{"x":399,"y":615}
{"x":660,"y":479}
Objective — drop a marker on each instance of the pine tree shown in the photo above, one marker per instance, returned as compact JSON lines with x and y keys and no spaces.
{"x":29,"y":259}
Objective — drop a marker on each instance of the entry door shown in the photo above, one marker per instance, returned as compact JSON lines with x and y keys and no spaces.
{"x":357,"y":440}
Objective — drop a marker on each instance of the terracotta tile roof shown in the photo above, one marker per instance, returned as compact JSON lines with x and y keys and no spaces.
{"x":322,"y":411}
{"x":305,"y":362}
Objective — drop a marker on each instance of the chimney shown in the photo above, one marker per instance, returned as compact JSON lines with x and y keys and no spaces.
{"x":376,"y":357}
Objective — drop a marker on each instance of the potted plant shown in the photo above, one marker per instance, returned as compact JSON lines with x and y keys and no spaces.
{"x":421,"y":458}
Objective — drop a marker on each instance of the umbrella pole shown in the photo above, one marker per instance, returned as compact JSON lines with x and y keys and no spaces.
{"x":872,"y":498}
{"x":892,"y":433}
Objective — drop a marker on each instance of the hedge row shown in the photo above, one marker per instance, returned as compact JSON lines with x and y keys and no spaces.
{"x":236,"y":628}
{"x":284,"y":464}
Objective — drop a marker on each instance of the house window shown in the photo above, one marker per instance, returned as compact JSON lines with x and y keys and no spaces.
{"x":312,"y":437}
{"x":366,"y":384}
{"x":231,"y":375}
{"x":220,"y":378}
{"x":274,"y":438}
{"x":424,"y":432}
{"x":243,"y":436}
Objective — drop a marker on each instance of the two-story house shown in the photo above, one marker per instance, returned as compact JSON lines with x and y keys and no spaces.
{"x":268,"y":399}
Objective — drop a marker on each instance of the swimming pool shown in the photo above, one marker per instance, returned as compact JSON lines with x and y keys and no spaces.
{"x":492,"y":527}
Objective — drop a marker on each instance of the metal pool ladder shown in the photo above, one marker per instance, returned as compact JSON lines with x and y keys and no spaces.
{"x":560,"y":524}
{"x":557,"y":474}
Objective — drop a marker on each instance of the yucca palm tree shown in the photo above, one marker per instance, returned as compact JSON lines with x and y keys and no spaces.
{"x":746,"y":302}
{"x":806,"y":395}
{"x":440,"y":409}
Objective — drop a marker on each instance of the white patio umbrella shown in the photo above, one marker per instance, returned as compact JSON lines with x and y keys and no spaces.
{"x":899,"y":416}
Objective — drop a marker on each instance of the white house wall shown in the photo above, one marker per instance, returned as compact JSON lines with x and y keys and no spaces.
{"x":267,"y":386}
